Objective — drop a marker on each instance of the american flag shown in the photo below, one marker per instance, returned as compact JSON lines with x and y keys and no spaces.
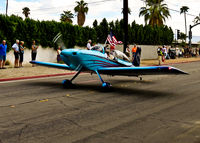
{"x":112,"y":40}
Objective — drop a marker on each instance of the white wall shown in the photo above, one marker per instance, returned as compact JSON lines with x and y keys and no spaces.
{"x":50,"y":55}
{"x":148,"y":51}
{"x":43,"y":54}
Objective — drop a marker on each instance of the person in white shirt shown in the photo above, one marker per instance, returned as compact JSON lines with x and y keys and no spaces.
{"x":15,"y":47}
{"x":89,"y":44}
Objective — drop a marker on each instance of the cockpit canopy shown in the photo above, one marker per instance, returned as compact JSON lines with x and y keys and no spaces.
{"x":99,"y":48}
{"x":116,"y":53}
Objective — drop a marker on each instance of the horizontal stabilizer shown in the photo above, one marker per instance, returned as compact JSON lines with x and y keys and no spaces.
{"x":53,"y":65}
{"x":135,"y":71}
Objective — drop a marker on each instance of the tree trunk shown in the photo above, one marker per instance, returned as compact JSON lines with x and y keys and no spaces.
{"x":7,"y":8}
{"x":81,"y":19}
{"x":185,"y":26}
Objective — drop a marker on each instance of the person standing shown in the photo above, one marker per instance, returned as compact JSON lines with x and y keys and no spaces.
{"x":89,"y":47}
{"x":160,"y":54}
{"x":34,"y":52}
{"x":134,"y":49}
{"x":136,"y":60}
{"x":16,"y":54}
{"x":58,"y":54}
{"x":21,"y":53}
{"x":128,"y":51}
{"x":3,"y":49}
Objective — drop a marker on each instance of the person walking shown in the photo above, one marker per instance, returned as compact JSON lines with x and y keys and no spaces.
{"x":16,"y":53}
{"x":34,"y":52}
{"x":89,"y":47}
{"x":3,"y":49}
{"x":21,"y":53}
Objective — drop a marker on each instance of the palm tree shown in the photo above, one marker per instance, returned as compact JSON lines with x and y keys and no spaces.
{"x":81,"y":9}
{"x":66,"y":16}
{"x":155,"y":12}
{"x":197,"y":19}
{"x":26,"y":11}
{"x":129,"y":11}
{"x":184,"y":9}
{"x":6,"y":7}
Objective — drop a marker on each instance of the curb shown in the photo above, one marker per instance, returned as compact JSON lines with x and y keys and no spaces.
{"x":32,"y":77}
{"x":184,"y":62}
{"x":62,"y":74}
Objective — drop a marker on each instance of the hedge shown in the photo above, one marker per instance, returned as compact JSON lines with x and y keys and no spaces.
{"x":14,"y":27}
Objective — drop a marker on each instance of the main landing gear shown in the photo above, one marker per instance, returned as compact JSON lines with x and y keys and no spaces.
{"x":104,"y":84}
{"x":68,"y":83}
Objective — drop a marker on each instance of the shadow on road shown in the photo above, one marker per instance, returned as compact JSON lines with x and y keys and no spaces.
{"x":96,"y":87}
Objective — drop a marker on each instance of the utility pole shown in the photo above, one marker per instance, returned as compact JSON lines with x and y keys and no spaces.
{"x":6,"y":7}
{"x":125,"y":12}
{"x":190,"y":34}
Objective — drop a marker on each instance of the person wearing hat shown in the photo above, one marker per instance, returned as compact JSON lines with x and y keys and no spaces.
{"x":89,"y":47}
{"x":3,"y":48}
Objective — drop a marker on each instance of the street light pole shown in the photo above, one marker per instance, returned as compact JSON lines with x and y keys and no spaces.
{"x":125,"y":13}
{"x":6,"y":7}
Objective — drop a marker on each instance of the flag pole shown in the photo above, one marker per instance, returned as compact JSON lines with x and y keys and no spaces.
{"x":105,"y":42}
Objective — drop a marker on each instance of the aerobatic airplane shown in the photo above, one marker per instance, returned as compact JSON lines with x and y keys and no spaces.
{"x":96,"y":61}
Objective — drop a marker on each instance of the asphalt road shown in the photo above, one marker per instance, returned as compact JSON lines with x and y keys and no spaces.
{"x":159,"y":109}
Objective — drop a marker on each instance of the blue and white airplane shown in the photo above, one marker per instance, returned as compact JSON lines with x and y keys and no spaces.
{"x":96,"y":61}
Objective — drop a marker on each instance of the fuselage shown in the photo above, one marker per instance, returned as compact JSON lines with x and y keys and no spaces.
{"x":90,"y":60}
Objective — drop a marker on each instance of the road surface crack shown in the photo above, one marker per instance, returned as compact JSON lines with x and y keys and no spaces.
{"x":62,"y":103}
{"x":73,"y":122}
{"x":21,"y":132}
{"x":27,"y":102}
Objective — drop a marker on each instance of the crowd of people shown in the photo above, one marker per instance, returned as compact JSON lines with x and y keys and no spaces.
{"x":163,"y":52}
{"x":18,"y":48}
{"x":171,"y":52}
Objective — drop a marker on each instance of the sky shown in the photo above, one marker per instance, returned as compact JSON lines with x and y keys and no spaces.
{"x":99,"y":9}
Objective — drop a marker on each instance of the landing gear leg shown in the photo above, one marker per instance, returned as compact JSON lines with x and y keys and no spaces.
{"x":68,"y":83}
{"x":104,"y":84}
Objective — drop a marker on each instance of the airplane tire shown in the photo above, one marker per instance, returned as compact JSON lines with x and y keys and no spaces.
{"x":106,"y":85}
{"x":67,"y":84}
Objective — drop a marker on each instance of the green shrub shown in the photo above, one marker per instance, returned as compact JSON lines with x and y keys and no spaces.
{"x":14,"y":27}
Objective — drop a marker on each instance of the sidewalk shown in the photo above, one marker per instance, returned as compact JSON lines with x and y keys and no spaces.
{"x":170,"y":61}
{"x":32,"y":72}
{"x":29,"y":71}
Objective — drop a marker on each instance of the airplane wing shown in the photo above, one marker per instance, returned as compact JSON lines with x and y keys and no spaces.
{"x":53,"y":65}
{"x":135,"y":71}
